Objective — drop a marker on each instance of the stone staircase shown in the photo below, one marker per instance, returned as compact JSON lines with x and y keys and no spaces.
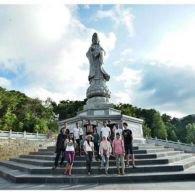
{"x":153,"y":163}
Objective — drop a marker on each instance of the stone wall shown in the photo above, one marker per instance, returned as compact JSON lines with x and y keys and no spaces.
{"x":10,"y":148}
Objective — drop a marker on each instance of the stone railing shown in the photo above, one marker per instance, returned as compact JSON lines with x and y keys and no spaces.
{"x":13,"y":147}
{"x":171,"y":144}
{"x":13,"y":134}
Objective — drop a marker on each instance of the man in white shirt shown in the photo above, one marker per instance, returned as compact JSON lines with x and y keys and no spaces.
{"x":78,"y":135}
{"x":105,"y":131}
{"x":118,"y":130}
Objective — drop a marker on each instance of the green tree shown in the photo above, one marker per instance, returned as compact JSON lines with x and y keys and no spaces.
{"x":8,"y":120}
{"x":146,"y":130}
{"x":158,"y":127}
{"x":170,"y":127}
{"x":190,"y":138}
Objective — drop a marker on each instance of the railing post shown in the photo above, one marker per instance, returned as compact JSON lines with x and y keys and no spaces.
{"x":37,"y":134}
{"x":178,"y":142}
{"x":167,"y":144}
{"x":156,"y":141}
{"x":24,"y":134}
{"x":146,"y":139}
{"x":10,"y":133}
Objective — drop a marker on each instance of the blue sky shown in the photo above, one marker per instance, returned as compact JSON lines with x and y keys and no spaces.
{"x":149,"y":52}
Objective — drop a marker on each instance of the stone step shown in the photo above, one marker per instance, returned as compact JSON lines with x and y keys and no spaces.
{"x":83,"y":163}
{"x":176,"y":158}
{"x":41,"y":162}
{"x":49,"y":157}
{"x":52,"y":149}
{"x":148,"y":151}
{"x":20,"y":177}
{"x":137,"y":156}
{"x":171,"y":153}
{"x":187,"y":163}
{"x":134,"y":145}
{"x":150,"y":147}
{"x":82,"y":170}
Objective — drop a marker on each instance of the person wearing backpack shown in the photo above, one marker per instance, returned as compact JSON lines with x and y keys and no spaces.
{"x":119,"y":153}
{"x":60,"y":146}
{"x":105,"y":151}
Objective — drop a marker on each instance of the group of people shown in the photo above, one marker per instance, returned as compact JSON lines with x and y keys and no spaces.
{"x":107,"y":142}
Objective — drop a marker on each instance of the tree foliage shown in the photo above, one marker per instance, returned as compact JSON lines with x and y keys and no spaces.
{"x":190,"y":137}
{"x":22,"y":113}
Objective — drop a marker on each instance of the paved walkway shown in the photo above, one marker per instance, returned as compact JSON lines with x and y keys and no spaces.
{"x":6,"y":185}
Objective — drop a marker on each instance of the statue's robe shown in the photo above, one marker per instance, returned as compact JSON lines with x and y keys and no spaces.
{"x":95,"y":56}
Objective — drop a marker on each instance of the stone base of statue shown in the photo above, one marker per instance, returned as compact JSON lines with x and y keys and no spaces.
{"x":102,"y":112}
{"x":98,"y":103}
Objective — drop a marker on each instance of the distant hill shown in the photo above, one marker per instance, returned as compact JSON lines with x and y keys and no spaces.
{"x":22,"y":113}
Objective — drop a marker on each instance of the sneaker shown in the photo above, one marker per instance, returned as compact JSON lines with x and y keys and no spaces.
{"x":100,"y":167}
{"x":133,"y":166}
{"x":54,"y":167}
{"x":127,"y":165}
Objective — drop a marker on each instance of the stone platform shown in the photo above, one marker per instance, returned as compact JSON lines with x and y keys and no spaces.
{"x":153,"y":164}
{"x":97,"y":115}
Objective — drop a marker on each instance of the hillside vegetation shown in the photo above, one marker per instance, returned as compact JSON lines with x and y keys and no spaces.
{"x":22,"y":113}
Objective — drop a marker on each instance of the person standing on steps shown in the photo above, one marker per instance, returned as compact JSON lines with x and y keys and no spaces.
{"x":89,"y":151}
{"x":70,"y":145}
{"x":96,"y":141}
{"x":78,"y":135}
{"x":119,"y":152}
{"x":60,"y":146}
{"x":105,"y":151}
{"x":128,"y":143}
{"x":105,"y":131}
{"x":118,"y":130}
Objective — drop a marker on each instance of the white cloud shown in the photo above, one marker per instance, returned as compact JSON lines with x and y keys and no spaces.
{"x":121,"y":97}
{"x":129,"y":80}
{"x":127,"y":52}
{"x":120,"y":16}
{"x":37,"y":92}
{"x":176,"y":49}
{"x":52,"y":21}
{"x":130,"y":77}
{"x":86,"y":6}
{"x":51,"y":43}
{"x":4,"y":82}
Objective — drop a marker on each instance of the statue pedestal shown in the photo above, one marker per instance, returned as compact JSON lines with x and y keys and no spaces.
{"x":98,"y":115}
{"x":98,"y":89}
{"x":98,"y":103}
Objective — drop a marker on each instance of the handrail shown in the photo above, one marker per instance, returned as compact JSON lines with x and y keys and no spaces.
{"x":26,"y":135}
{"x":168,"y":143}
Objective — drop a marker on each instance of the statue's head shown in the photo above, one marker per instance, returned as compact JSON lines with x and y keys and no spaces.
{"x":95,"y":39}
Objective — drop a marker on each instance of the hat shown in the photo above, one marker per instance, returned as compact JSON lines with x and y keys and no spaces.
{"x":89,"y":136}
{"x":118,"y":133}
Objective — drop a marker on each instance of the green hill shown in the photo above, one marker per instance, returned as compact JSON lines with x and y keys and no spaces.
{"x":22,"y":113}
